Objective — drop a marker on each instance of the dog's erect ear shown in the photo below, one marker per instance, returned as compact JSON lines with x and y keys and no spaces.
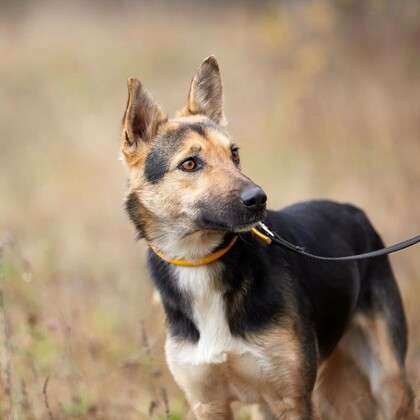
{"x":206,"y":93}
{"x":141,"y":119}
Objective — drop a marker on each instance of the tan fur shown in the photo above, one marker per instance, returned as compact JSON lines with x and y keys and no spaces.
{"x":342,"y":391}
{"x":363,"y":375}
{"x":167,"y":200}
{"x":287,"y":392}
{"x":390,"y":388}
{"x":205,"y":95}
{"x":141,"y":122}
{"x":269,"y":373}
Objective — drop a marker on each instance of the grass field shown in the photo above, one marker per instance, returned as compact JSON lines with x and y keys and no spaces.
{"x":323,"y":98}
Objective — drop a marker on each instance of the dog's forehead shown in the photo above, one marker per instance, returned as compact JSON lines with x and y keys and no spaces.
{"x":202,"y":128}
{"x":182,"y":136}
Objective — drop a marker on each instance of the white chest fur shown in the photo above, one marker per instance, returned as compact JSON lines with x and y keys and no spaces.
{"x":209,"y":314}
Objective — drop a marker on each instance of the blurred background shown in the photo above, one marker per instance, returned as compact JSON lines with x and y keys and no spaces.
{"x":323,"y":98}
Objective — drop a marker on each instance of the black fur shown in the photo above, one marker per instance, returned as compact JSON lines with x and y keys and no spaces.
{"x":177,"y":307}
{"x":263,"y":284}
{"x":161,"y":153}
{"x":165,"y":146}
{"x":133,"y":208}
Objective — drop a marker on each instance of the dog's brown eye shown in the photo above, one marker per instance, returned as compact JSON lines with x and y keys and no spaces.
{"x":189,"y":165}
{"x":235,"y":155}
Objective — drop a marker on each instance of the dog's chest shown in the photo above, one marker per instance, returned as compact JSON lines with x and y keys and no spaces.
{"x":203,"y":288}
{"x":218,"y":353}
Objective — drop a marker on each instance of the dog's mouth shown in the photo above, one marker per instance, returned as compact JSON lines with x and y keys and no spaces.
{"x":232,"y":225}
{"x":245,"y":227}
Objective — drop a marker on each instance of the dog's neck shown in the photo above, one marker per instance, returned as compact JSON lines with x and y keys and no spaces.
{"x":177,"y":245}
{"x":202,"y":290}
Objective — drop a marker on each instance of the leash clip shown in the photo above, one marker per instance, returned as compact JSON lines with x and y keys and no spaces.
{"x":263,"y":233}
{"x":266,"y":230}
{"x":270,"y":236}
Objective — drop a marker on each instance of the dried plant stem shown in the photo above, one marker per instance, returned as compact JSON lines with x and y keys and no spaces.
{"x":26,"y":404}
{"x":46,"y":401}
{"x":8,"y":358}
{"x":145,"y":339}
{"x":165,"y":400}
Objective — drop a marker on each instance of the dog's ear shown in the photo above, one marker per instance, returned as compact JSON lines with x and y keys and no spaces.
{"x":141,"y":120}
{"x":206,"y":93}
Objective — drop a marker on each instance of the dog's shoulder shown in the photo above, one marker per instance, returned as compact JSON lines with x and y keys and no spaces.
{"x":324,"y":224}
{"x":321,"y":209}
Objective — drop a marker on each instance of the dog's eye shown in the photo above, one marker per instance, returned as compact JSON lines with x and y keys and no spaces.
{"x":235,"y":155}
{"x":189,"y":165}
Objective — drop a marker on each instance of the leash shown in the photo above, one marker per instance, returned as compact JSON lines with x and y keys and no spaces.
{"x":263,"y":233}
{"x":271,"y":238}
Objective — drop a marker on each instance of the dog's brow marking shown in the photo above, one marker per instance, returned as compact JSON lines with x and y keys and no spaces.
{"x":165,"y":147}
{"x":198,"y":128}
{"x":196,"y":148}
{"x":157,"y":161}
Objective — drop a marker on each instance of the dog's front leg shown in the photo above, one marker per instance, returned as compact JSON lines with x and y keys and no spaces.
{"x":289,"y":370}
{"x":262,"y":411}
{"x":212,"y":411}
{"x":206,"y":390}
{"x":204,"y":385}
{"x":293,"y":408}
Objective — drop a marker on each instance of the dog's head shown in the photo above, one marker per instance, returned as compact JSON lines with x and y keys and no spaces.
{"x":184,"y":172}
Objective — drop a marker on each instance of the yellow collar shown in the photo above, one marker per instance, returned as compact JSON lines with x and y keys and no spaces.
{"x":214,"y":256}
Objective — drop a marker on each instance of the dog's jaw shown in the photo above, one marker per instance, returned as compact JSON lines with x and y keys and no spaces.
{"x":194,"y":245}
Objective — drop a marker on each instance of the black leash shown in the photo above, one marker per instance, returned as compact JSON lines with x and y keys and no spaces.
{"x":264,"y":233}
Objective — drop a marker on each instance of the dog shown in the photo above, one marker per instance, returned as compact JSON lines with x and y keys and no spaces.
{"x":246,"y":321}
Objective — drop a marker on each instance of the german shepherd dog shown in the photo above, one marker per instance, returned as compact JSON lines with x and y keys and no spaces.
{"x":247,"y":321}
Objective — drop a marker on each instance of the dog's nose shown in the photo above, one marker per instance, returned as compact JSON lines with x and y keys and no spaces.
{"x":253,"y":196}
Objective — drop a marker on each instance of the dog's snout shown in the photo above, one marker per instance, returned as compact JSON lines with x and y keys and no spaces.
{"x":253,"y":196}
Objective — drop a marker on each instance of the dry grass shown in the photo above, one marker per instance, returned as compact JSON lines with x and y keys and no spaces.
{"x":324,"y":99}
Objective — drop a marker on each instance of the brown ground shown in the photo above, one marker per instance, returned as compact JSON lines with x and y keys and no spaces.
{"x":324,"y":99}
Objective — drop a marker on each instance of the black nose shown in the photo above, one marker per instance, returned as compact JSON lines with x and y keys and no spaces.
{"x":253,"y":196}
